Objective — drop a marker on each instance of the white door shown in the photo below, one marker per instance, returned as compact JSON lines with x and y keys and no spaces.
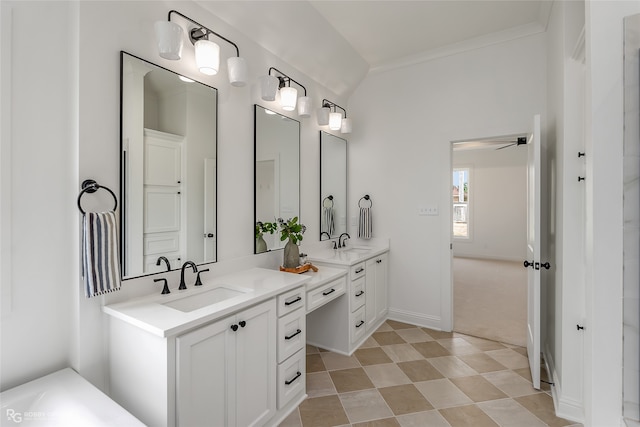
{"x":533,"y":252}
{"x":209,"y":210}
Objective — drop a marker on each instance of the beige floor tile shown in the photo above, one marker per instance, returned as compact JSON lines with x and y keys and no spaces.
{"x":365,"y":405}
{"x":387,"y":422}
{"x":466,"y":416}
{"x":293,"y":420}
{"x":510,"y":383}
{"x":541,"y":405}
{"x":483,"y":344}
{"x":388,"y":338}
{"x":399,"y":325}
{"x":402,"y":352}
{"x":314,"y":363}
{"x":423,"y":419}
{"x":319,"y":384}
{"x":420,"y":370}
{"x":371,"y":356}
{"x":482,"y":363}
{"x":442,"y":393}
{"x":452,"y":367}
{"x":509,"y":358}
{"x":508,"y":412}
{"x":353,"y":379}
{"x":458,"y":346}
{"x":333,"y":361}
{"x":521,"y":350}
{"x":386,"y":375}
{"x":414,"y":335}
{"x":369,"y":342}
{"x":311,"y":349}
{"x":524,"y":373}
{"x":404,"y":399}
{"x":384,"y":328}
{"x":431,"y":349}
{"x":436,"y":335}
{"x":478,"y":388}
{"x":324,"y":411}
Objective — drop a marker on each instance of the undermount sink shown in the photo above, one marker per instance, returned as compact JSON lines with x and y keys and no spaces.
{"x":356,"y":250}
{"x":194,"y":302}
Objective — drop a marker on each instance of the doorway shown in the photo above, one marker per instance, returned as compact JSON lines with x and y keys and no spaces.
{"x":488,"y":228}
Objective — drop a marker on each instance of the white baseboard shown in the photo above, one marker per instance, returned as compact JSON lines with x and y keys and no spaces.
{"x":433,"y":322}
{"x":566,"y":408}
{"x":490,"y":257}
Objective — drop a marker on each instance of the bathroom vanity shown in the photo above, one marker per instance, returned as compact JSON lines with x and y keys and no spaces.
{"x":231,"y":353}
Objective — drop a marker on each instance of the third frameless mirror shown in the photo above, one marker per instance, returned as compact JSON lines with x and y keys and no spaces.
{"x":333,"y":186}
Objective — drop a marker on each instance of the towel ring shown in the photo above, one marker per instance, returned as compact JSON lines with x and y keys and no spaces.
{"x":365,"y":197}
{"x":324,"y":202}
{"x":90,"y":186}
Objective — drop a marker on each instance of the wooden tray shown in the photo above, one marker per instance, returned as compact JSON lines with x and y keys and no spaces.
{"x":300,"y":269}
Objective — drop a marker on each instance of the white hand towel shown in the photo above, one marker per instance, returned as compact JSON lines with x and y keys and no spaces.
{"x":100,"y":264}
{"x":365,"y":228}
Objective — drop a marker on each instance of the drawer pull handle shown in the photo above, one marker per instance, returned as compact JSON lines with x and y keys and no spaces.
{"x":293,"y":379}
{"x":360,"y":293}
{"x":294,"y":334}
{"x":293,"y":301}
{"x":360,"y":270}
{"x":360,"y":324}
{"x":330,"y":292}
{"x":242,"y":323}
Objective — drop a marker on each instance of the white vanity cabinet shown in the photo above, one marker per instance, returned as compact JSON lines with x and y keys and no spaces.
{"x":226,"y":370}
{"x":376,"y":290}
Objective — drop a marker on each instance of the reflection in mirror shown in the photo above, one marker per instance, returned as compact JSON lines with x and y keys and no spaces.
{"x":333,"y":186}
{"x":277,"y":175}
{"x":168,"y":169}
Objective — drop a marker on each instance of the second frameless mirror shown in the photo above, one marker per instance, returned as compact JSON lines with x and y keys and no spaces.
{"x":333,"y":186}
{"x":277,"y":175}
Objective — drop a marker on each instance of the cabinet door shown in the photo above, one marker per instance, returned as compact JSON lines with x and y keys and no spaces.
{"x":381,"y":285}
{"x":256,"y":365}
{"x":370,"y":293}
{"x":205,"y":359}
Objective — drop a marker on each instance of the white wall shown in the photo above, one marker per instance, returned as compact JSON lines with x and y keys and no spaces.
{"x":76,"y":104}
{"x":498,"y":193}
{"x":404,"y":121}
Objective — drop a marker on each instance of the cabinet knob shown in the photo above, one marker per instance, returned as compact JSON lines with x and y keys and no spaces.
{"x":234,"y":327}
{"x":378,"y":261}
{"x":242,"y":323}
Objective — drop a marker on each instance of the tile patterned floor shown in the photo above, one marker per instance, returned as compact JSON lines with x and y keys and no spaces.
{"x":406,"y":376}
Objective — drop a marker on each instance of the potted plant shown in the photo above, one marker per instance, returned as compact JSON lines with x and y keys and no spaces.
{"x":261,"y":228}
{"x":291,"y":231}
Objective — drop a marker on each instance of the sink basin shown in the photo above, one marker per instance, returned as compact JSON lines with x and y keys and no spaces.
{"x":356,"y":250}
{"x":203,"y":299}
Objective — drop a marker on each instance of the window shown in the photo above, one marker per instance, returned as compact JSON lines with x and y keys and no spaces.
{"x":460,"y":196}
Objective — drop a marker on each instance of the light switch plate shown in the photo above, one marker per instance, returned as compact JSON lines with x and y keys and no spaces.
{"x":428,"y":210}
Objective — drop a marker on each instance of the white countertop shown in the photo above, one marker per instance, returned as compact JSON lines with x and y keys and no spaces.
{"x":349,"y":255}
{"x":257,"y":284}
{"x":322,"y":276}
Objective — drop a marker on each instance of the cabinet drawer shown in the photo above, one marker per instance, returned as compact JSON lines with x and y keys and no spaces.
{"x":291,"y":334}
{"x":290,"y":301}
{"x":358,"y":325}
{"x":291,"y":378}
{"x":325,"y":293}
{"x":357,"y":271}
{"x":357,"y":294}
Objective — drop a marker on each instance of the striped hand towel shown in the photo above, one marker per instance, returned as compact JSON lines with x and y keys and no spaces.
{"x":365,"y":229}
{"x":100,"y":265}
{"x":328,"y":220}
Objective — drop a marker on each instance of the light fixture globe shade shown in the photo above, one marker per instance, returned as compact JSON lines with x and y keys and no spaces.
{"x":335,"y":121}
{"x":322,"y":115}
{"x":207,"y":57}
{"x":288,"y":98}
{"x":238,"y":73}
{"x":169,"y":38}
{"x":304,"y":106}
{"x":268,"y":87}
{"x":346,"y":126}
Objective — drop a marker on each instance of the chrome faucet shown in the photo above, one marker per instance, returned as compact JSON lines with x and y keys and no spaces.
{"x":195,"y":270}
{"x":341,"y":243}
{"x":166,"y":261}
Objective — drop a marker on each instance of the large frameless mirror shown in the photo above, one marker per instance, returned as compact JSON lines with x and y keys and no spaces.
{"x":333,"y":186}
{"x":168,"y":169}
{"x":277,"y":175}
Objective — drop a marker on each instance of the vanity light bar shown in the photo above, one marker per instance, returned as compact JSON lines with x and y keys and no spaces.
{"x":288,"y":95}
{"x":333,"y":119}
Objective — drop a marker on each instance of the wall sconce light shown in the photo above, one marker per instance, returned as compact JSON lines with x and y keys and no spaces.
{"x":270,"y":85}
{"x":333,"y":118}
{"x":207,"y":53}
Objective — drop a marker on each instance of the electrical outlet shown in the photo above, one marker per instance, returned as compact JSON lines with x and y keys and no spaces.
{"x":428,"y":210}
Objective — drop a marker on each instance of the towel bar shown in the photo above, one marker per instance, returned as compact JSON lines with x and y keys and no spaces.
{"x":90,"y":186}
{"x":365,"y":197}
